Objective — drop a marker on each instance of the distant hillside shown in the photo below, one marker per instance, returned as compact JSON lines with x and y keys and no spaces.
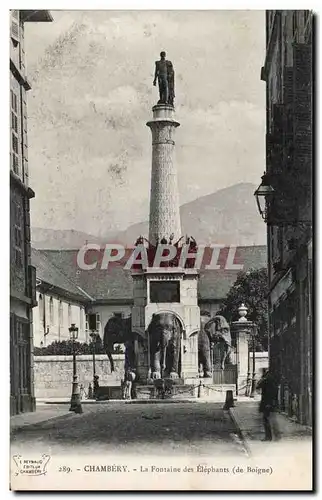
{"x":227,"y":216}
{"x":43,"y":239}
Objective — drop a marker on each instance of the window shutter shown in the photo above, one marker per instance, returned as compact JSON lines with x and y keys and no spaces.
{"x":278,"y":117}
{"x":303,"y":127}
{"x":282,"y":206}
{"x":14,"y":29}
{"x":303,"y":106}
{"x":15,"y":129}
{"x":269,"y":151}
{"x":288,"y":97}
{"x":25,"y":140}
{"x":288,"y":93}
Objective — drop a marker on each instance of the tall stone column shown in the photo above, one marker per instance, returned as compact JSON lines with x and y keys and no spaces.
{"x":164,"y":199}
{"x":164,"y":222}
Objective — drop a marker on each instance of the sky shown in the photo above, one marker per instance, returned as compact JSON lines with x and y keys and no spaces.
{"x":91,"y":74}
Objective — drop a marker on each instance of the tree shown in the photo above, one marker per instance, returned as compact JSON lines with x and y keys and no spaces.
{"x":65,"y":348}
{"x":251,"y":289}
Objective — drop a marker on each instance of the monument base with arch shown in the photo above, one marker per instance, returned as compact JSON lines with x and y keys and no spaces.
{"x":172,"y":291}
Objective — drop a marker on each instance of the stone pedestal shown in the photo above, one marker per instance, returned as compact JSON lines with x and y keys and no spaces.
{"x":184,"y":390}
{"x":187,"y":312}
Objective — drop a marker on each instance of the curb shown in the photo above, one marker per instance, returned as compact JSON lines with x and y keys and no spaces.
{"x":15,"y":428}
{"x":132,"y":401}
{"x":306,"y":428}
{"x":240,"y":432}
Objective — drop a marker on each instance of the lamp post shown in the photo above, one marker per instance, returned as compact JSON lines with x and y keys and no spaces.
{"x":254,"y":335}
{"x":264,"y":194}
{"x":75,"y":402}
{"x":93,"y":336}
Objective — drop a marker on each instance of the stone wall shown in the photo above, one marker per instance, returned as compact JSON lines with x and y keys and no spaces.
{"x":54,"y":374}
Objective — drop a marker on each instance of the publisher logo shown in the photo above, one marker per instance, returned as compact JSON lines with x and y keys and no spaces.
{"x":31,"y":467}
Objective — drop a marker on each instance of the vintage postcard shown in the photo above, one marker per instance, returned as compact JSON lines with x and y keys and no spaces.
{"x":161,"y":250}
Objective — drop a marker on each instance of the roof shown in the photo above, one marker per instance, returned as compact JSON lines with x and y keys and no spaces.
{"x":112,"y":284}
{"x":49,"y":273}
{"x":115,"y":284}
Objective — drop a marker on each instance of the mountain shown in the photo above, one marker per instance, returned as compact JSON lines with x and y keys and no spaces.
{"x":58,"y":239}
{"x":228,"y":216}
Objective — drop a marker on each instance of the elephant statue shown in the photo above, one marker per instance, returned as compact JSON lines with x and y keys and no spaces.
{"x":119,"y":331}
{"x":219,"y":332}
{"x":165,"y":341}
{"x":204,"y":346}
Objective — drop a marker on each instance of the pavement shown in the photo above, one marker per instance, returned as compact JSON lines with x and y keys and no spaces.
{"x":200,"y":437}
{"x":170,"y":429}
{"x":249,"y":422}
{"x":186,"y":424}
{"x":43,"y":413}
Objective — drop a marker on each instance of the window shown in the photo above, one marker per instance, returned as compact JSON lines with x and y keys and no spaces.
{"x":306,"y":16}
{"x":81,"y":320}
{"x":14,"y":28}
{"x":17,"y":217}
{"x":51,"y":311}
{"x":294,"y":23}
{"x":41,"y":310}
{"x":22,"y":336}
{"x":118,"y":315}
{"x":14,"y":133}
{"x":98,"y":322}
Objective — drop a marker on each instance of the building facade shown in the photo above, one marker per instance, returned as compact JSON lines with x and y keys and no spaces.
{"x":60,"y":302}
{"x":22,"y":273}
{"x":54,"y":314}
{"x":288,"y":75}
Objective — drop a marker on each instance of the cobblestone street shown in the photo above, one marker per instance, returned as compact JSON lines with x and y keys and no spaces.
{"x":179,"y":428}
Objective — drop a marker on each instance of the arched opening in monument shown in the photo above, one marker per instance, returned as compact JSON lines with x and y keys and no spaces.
{"x":118,"y":332}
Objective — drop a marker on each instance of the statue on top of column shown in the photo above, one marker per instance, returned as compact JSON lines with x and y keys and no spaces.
{"x":164,"y":73}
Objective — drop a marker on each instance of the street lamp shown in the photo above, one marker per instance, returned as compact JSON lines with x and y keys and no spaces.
{"x":75,"y":401}
{"x":93,"y":336}
{"x":264,"y":194}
